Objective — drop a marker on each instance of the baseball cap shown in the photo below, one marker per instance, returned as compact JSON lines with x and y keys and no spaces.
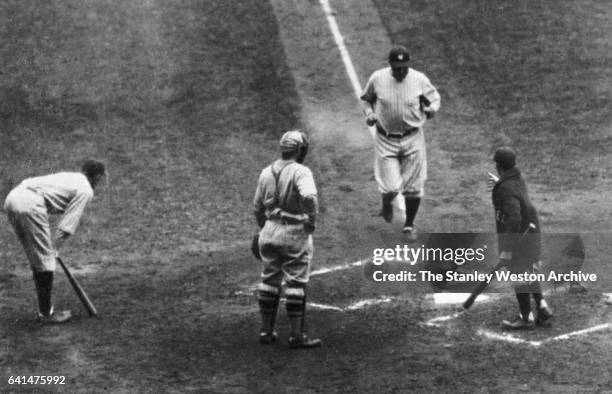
{"x":505,"y":157}
{"x":399,"y":56}
{"x":291,"y":141}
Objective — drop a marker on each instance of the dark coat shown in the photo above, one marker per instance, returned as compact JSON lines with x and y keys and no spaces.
{"x":513,"y":213}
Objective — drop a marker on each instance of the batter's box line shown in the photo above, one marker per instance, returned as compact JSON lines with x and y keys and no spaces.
{"x":439,"y":321}
{"x":516,"y":340}
{"x":320,"y":271}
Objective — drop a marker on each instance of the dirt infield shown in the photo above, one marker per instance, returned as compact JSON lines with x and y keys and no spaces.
{"x":185,"y":102}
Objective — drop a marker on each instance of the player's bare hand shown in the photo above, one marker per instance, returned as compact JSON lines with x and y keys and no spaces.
{"x":491,"y":180}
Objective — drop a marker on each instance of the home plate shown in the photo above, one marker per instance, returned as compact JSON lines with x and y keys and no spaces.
{"x":454,"y":298}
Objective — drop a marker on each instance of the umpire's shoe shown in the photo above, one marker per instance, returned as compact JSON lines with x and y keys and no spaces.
{"x":303,"y":342}
{"x":518,"y":323}
{"x":55,"y":317}
{"x":544,"y":317}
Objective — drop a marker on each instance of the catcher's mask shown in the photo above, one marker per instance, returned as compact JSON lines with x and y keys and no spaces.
{"x":295,"y":141}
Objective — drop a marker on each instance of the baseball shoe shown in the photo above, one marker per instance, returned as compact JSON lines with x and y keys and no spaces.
{"x":410,"y":232}
{"x":544,"y":317}
{"x":303,"y":342}
{"x":268,"y":338}
{"x":518,"y":323}
{"x":54,"y":317}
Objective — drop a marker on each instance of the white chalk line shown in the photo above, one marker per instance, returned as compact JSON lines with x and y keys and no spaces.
{"x":344,"y":53}
{"x":513,"y":339}
{"x":339,"y":267}
{"x":482,"y":298}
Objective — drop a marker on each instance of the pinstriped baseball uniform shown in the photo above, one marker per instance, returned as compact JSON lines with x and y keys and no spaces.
{"x":400,"y":162}
{"x":29,"y":206}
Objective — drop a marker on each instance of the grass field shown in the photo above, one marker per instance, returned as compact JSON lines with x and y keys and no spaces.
{"x":185,"y":102}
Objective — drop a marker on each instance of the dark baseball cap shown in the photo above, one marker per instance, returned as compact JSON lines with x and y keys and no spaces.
{"x":505,"y":157}
{"x":399,"y":56}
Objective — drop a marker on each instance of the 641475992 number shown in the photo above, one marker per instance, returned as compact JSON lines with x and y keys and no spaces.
{"x":37,"y":379}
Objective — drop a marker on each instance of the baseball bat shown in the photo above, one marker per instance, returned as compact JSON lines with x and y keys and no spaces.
{"x":91,"y":309}
{"x":483,"y":284}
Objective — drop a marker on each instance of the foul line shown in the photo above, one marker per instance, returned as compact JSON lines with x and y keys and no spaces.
{"x":338,"y":267}
{"x":346,"y":57}
{"x":512,"y":339}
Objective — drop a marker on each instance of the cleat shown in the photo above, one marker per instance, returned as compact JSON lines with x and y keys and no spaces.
{"x":544,"y":317}
{"x":303,"y":342}
{"x":410,"y":232}
{"x":54,"y":317}
{"x":518,"y":323}
{"x":268,"y":338}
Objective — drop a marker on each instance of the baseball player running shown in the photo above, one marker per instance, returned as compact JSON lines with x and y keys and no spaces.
{"x":285,"y":208}
{"x":513,"y":215}
{"x":397,"y":100}
{"x":28,"y":207}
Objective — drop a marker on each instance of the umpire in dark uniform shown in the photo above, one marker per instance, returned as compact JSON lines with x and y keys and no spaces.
{"x":518,"y":230}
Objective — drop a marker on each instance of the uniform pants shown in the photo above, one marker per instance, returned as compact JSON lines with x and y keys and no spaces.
{"x":28,"y":215}
{"x":400,"y":164}
{"x":286,"y":251}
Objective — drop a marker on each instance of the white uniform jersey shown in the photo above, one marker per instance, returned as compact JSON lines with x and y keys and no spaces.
{"x":396,"y":104}
{"x":295,"y":181}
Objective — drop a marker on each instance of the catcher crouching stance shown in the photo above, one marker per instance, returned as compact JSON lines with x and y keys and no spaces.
{"x":28,"y":207}
{"x":285,"y":208}
{"x":515,"y":215}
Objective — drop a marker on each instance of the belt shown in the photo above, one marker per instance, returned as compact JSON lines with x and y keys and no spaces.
{"x":408,"y":131}
{"x":284,"y":219}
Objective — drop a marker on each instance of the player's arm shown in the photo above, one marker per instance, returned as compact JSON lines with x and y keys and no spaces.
{"x":368,"y":100}
{"x":429,"y":98}
{"x":72,"y":214}
{"x":510,"y":211}
{"x":259,"y":207}
{"x":308,"y":191}
{"x":311,"y":208}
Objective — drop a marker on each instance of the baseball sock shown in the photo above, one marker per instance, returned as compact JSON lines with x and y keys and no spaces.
{"x":412,"y":206}
{"x":268,"y":305}
{"x":524,"y":302}
{"x":44,"y":285}
{"x":295,"y":309}
{"x":536,"y":292}
{"x":387,"y":207}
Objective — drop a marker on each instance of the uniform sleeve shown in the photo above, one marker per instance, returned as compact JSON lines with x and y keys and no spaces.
{"x":431,"y":93}
{"x":369,"y":93}
{"x":73,"y":212}
{"x":510,"y":211}
{"x":264,"y":194}
{"x":305,"y":182}
{"x":258,"y":198}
